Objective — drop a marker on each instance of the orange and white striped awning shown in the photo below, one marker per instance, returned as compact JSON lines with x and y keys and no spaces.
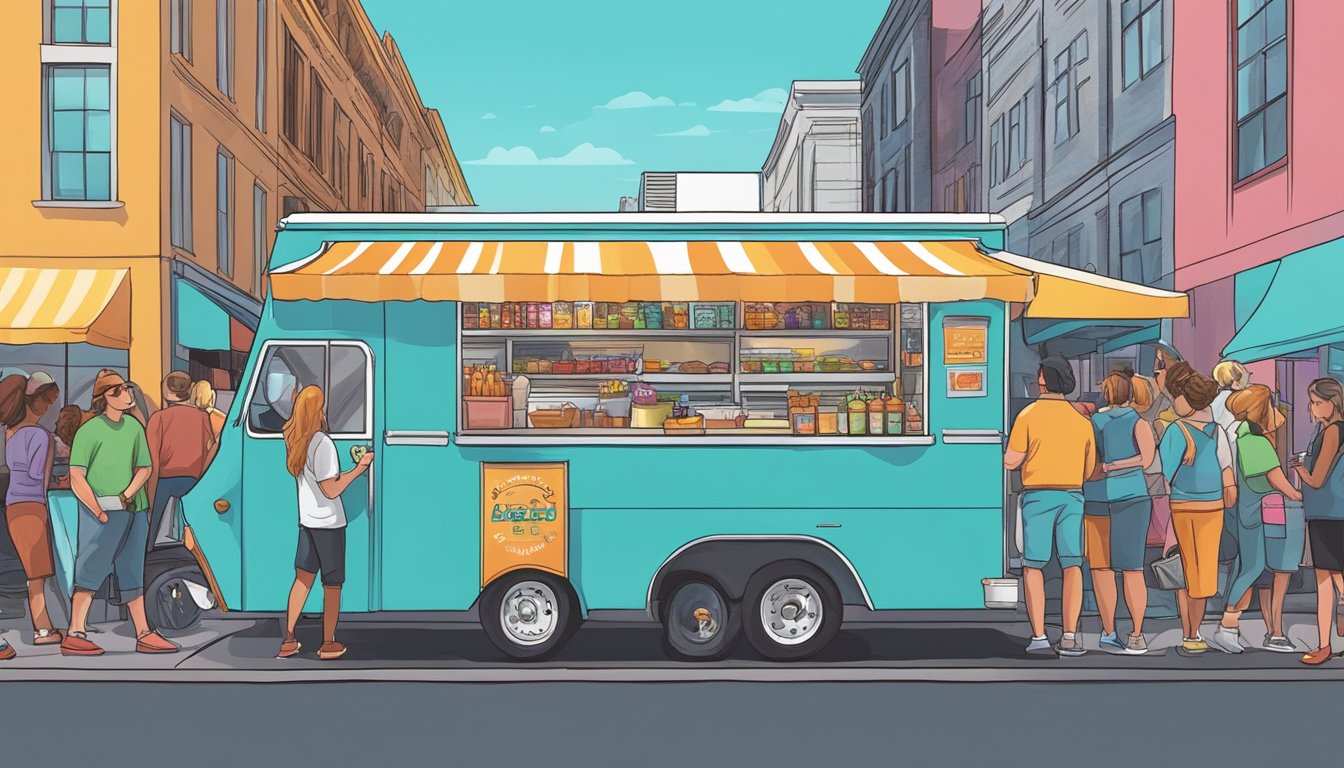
{"x":885,"y":272}
{"x":41,"y":305}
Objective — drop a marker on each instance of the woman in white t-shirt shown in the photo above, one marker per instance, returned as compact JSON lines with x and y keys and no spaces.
{"x":310,"y":456}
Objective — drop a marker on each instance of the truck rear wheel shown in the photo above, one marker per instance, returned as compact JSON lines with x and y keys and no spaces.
{"x":791,"y":610}
{"x":529,"y":615}
{"x":699,"y":622}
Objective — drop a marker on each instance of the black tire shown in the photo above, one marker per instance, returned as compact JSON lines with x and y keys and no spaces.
{"x":820,"y":592}
{"x":682,"y":638}
{"x":561,"y":606}
{"x":168,"y":603}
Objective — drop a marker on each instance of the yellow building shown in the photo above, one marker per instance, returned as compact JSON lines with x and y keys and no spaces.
{"x":148,"y":150}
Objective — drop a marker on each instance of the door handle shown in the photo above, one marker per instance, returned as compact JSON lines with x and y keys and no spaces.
{"x":972,"y":437}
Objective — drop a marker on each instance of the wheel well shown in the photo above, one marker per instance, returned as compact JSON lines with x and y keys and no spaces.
{"x":729,"y":563}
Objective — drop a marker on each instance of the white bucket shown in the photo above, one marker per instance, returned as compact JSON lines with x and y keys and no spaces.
{"x":1001,"y":593}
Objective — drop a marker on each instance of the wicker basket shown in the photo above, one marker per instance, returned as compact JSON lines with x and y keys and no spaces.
{"x":564,"y":417}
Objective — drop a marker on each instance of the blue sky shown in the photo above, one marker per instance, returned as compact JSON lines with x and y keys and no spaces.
{"x":560,"y":106}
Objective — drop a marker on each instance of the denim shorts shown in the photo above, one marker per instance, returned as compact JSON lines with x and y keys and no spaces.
{"x":115,"y":547}
{"x":1052,"y":522}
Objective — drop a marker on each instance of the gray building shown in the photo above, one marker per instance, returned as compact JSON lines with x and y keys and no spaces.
{"x":1011,"y":146}
{"x":813,"y":164}
{"x":896,"y":118}
{"x":1107,"y":160}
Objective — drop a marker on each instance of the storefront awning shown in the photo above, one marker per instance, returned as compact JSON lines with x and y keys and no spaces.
{"x":63,"y":306}
{"x":867,"y":272}
{"x":1298,"y":311}
{"x":201,"y":323}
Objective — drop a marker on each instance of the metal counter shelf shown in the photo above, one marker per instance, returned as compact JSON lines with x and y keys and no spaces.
{"x":631,"y":436}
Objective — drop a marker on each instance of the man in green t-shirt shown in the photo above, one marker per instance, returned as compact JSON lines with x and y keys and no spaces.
{"x":109,"y":466}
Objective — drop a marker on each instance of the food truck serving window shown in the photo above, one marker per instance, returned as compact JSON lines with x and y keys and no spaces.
{"x":342,"y":369}
{"x":648,"y":369}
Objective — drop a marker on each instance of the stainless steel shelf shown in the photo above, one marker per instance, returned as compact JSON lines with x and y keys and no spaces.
{"x":653,"y":437}
{"x":869,"y":377}
{"x":830,"y":333}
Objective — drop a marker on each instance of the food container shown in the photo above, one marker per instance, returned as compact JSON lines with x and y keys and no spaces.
{"x":650,"y":416}
{"x":803,"y":420}
{"x":689,"y":425}
{"x":770,"y":366}
{"x":827,"y":422}
{"x":704,"y":316}
{"x":723,"y":418}
{"x":544,"y":315}
{"x":586,"y":418}
{"x":1001,"y":593}
{"x":471,"y":316}
{"x":564,"y":417}
{"x":487,"y":412}
{"x":583,"y":314}
{"x":562,"y":315}
{"x":545,"y":366}
{"x":617,"y":405}
{"x":563,"y":367}
{"x":532,"y":366}
{"x":653,"y":315}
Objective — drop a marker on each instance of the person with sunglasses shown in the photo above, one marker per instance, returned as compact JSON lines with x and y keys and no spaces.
{"x":109,"y":466}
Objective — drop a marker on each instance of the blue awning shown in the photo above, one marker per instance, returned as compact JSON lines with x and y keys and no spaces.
{"x":1300,"y":311}
{"x":1099,"y":331}
{"x":201,"y":323}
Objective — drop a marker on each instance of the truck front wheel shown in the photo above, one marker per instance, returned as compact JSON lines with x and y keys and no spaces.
{"x":529,"y":615}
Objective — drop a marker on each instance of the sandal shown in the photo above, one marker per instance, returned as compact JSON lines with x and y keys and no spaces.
{"x":47,"y":637}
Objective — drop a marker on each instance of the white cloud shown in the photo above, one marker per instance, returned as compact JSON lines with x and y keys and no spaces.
{"x":637,"y":100}
{"x":695,"y":130}
{"x":547,"y":129}
{"x":769,"y":100}
{"x":488,"y":116}
{"x":584,"y":154}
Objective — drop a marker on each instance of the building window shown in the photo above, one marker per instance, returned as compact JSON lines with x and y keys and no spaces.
{"x":1141,"y":40}
{"x":259,"y":222}
{"x":885,"y":113}
{"x":261,"y":66}
{"x":78,"y":132}
{"x":1141,"y":238}
{"x":1262,"y":84}
{"x":869,"y":139}
{"x":340,"y":156}
{"x":1016,"y":154}
{"x":973,"y":93}
{"x":224,"y":46}
{"x":224,"y":211}
{"x":1067,"y":249}
{"x":1068,"y":86}
{"x":997,"y":166}
{"x":364,"y":171}
{"x":317,"y":103}
{"x":179,"y":181}
{"x":900,"y":88}
{"x":293,"y":94}
{"x":81,"y":22}
{"x":180,"y":25}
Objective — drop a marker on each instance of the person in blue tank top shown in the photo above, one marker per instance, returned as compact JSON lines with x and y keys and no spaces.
{"x":1322,"y":478}
{"x":1118,"y":510}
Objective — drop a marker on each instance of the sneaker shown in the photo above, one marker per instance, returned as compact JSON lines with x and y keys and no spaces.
{"x":289,"y":648}
{"x":1193,"y":647}
{"x":1137,"y":645}
{"x":1070,"y":647}
{"x":1279,"y":645}
{"x":1040,"y":646}
{"x":1227,"y":640}
{"x":7,"y":651}
{"x":1110,"y":641}
{"x":78,"y":644}
{"x":153,"y":642}
{"x":331,"y":651}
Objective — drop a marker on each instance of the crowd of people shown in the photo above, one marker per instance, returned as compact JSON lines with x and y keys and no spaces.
{"x":1190,"y":463}
{"x":125,"y":463}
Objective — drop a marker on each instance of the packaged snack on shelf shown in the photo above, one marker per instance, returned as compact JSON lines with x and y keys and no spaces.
{"x":544,"y":316}
{"x":533,"y":315}
{"x":613,"y":316}
{"x":626,"y":316}
{"x":840,"y":317}
{"x":880,"y":318}
{"x":562,"y":315}
{"x":827,"y":422}
{"x":653,"y":315}
{"x":471,"y":316}
{"x":726,"y":316}
{"x":704,"y":316}
{"x":497,"y":317}
{"x":583,"y":315}
{"x":681,"y":315}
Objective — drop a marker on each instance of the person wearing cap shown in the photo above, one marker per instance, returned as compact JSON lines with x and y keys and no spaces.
{"x":28,"y":456}
{"x":181,"y":443}
{"x":109,"y":467}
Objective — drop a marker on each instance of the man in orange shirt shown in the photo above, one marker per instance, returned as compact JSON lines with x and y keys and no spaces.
{"x":181,"y":444}
{"x":1055,"y":447}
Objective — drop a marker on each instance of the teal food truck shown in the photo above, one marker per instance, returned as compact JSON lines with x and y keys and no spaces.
{"x":729,"y":424}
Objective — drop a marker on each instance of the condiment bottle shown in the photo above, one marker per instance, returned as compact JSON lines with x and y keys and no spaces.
{"x":858,"y":415}
{"x":877,"y":418}
{"x":895,"y":417}
{"x":842,"y":416}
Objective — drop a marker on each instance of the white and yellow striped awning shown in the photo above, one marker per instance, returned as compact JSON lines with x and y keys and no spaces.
{"x":869,"y":272}
{"x":58,"y":306}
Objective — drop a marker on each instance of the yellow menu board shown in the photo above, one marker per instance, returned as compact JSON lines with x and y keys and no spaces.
{"x":965,"y":342}
{"x":524,"y":518}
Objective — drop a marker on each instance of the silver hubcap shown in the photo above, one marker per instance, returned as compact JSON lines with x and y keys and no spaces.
{"x":791,"y":611}
{"x":529,"y":614}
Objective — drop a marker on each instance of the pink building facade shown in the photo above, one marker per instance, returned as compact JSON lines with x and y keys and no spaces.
{"x":958,"y":105}
{"x":1259,"y":198}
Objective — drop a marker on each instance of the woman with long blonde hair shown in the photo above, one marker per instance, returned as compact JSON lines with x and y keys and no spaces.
{"x":1260,"y":480}
{"x":311,"y":458}
{"x":203,"y":396}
